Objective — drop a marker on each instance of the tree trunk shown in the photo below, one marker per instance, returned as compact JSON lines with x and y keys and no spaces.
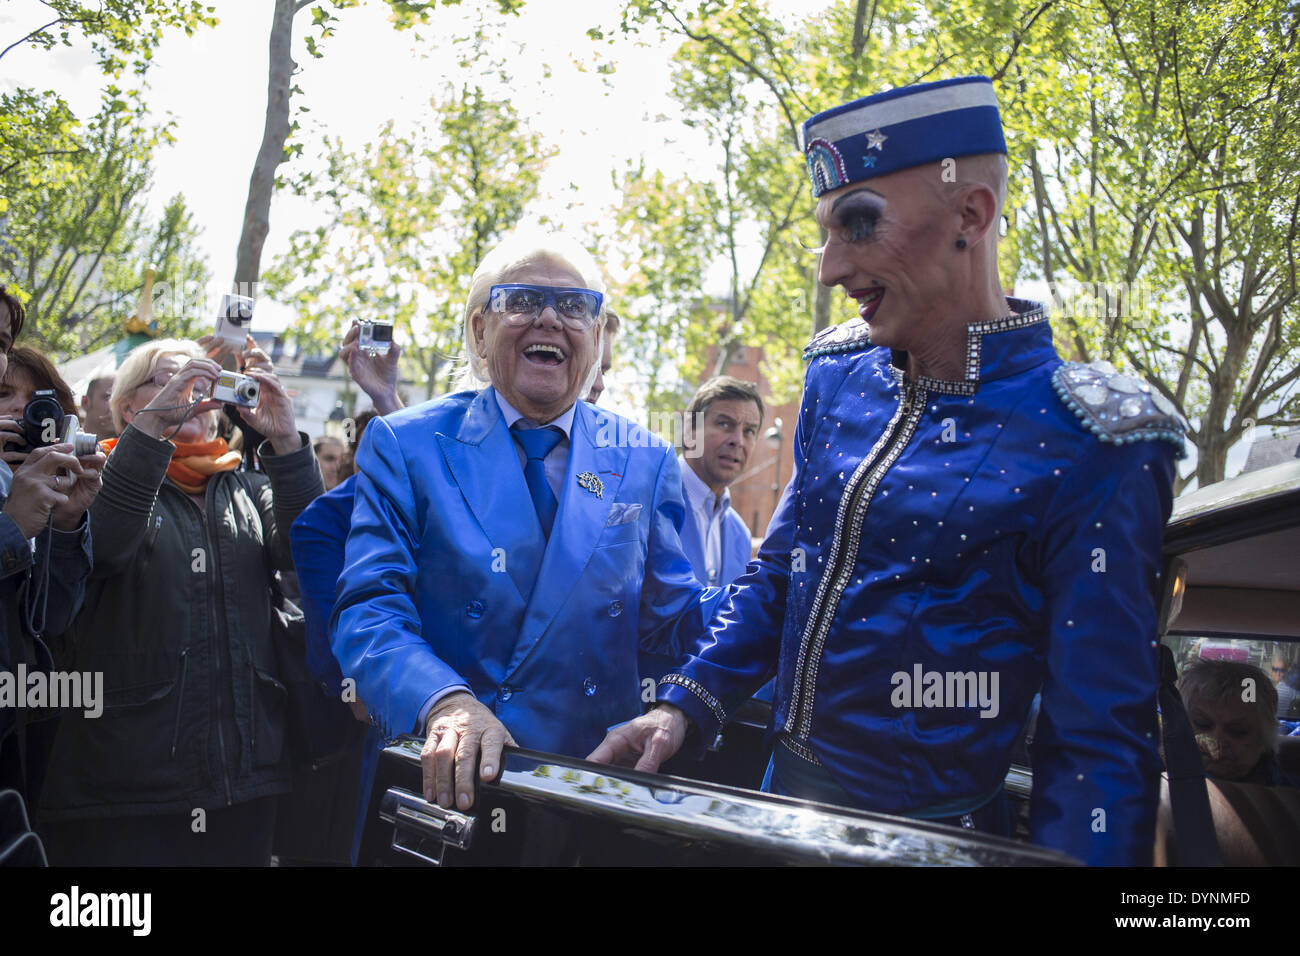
{"x":261,"y":185}
{"x":860,"y":28}
{"x":1211,"y":458}
{"x":726,"y":350}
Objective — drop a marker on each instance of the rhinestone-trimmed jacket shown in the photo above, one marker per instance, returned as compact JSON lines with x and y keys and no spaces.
{"x":965,"y":529}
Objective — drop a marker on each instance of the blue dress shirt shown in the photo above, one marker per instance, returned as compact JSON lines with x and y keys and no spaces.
{"x":556,"y":462}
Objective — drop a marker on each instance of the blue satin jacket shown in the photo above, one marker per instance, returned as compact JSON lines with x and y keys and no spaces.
{"x":937,"y":537}
{"x":448,"y":579}
{"x":736,"y":551}
{"x":317,"y":539}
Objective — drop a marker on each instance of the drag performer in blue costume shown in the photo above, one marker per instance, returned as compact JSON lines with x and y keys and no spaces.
{"x":970,"y":521}
{"x":498,"y":584}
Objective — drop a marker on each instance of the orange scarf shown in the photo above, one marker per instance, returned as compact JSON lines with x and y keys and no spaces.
{"x":193,"y":463}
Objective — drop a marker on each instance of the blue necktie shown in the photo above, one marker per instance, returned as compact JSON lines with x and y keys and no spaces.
{"x":537,"y":443}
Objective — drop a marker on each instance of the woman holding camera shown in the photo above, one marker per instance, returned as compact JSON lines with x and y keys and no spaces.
{"x":44,"y":563}
{"x":184,"y":765}
{"x":29,"y":372}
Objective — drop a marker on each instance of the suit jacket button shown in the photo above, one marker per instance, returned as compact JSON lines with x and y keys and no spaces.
{"x":589,"y":687}
{"x":615,"y":608}
{"x":474,"y":609}
{"x":505,"y":693}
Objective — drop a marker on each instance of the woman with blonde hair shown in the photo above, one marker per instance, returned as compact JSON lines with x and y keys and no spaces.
{"x":178,"y":619}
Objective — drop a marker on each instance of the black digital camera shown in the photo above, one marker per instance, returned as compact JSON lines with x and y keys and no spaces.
{"x":44,"y":423}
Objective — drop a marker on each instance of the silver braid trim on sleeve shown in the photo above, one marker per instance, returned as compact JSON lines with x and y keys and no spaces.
{"x":698,"y":689}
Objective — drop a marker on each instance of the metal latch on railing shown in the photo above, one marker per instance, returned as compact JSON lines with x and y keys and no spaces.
{"x":421,"y":829}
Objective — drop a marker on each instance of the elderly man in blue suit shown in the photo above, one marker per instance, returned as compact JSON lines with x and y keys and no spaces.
{"x":511,"y":547}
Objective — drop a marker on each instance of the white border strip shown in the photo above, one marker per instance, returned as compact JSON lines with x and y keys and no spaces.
{"x":900,"y":109}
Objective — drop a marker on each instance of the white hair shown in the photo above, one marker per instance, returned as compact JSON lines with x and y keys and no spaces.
{"x":518,"y":251}
{"x":138,"y":367}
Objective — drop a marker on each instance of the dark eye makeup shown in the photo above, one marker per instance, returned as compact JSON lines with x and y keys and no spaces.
{"x":857,"y":215}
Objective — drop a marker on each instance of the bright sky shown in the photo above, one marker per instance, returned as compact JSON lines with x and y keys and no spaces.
{"x":214,"y":84}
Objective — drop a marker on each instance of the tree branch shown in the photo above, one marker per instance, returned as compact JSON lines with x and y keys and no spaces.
{"x":39,"y":30}
{"x":776,"y":60}
{"x":45,"y":152}
{"x":862,"y":27}
{"x":753,"y":70}
{"x":1020,"y":35}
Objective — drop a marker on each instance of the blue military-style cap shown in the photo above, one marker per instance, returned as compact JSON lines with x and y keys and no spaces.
{"x":898,"y":129}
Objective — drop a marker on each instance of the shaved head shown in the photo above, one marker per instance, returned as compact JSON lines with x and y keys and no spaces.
{"x":986,"y":169}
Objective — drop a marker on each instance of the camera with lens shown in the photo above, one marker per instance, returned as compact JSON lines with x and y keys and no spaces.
{"x":375,"y":337}
{"x":235,"y":319}
{"x":44,"y":423}
{"x":236,"y":389}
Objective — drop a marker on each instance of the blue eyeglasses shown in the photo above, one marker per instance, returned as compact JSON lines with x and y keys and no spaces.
{"x":519,"y":303}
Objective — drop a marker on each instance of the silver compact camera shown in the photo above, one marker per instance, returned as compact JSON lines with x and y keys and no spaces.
{"x":82,"y":443}
{"x":375,"y":337}
{"x":235,"y":319}
{"x":236,"y":389}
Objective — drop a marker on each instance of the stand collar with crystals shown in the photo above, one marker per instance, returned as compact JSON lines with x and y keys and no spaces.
{"x":992,"y":350}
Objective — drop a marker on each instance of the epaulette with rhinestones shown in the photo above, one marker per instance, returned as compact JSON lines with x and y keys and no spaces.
{"x":845,"y":337}
{"x":1117,"y":408}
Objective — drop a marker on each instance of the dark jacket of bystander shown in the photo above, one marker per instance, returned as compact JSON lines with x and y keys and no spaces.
{"x":178,"y":619}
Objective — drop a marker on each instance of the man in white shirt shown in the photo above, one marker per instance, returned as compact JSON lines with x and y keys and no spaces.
{"x":722,"y":425}
{"x":720,"y":430}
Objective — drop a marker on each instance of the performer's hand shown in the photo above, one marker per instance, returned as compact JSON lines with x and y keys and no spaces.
{"x":459,"y":728}
{"x":652,"y":737}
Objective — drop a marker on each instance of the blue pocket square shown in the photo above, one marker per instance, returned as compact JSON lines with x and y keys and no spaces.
{"x":623,"y":512}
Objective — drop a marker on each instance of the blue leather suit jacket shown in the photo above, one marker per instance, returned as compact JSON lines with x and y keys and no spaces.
{"x":448,"y":579}
{"x":994,"y":526}
{"x":318,"y":538}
